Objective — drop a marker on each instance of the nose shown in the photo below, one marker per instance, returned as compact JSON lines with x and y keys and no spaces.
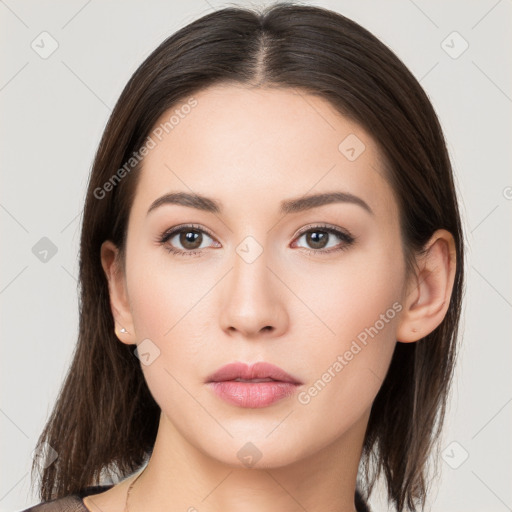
{"x":253,"y":300}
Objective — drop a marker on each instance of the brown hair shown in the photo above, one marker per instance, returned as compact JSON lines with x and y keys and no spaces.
{"x":105,"y":418}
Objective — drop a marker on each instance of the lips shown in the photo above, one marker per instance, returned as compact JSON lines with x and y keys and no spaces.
{"x":257,"y":372}
{"x":256,"y":386}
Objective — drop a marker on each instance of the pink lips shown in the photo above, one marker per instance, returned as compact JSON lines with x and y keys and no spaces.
{"x":267,"y":384}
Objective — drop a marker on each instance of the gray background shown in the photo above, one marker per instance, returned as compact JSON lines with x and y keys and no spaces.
{"x":53,"y":112}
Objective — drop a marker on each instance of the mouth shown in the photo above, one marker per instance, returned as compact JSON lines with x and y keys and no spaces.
{"x":256,"y":386}
{"x":255,"y":380}
{"x":257,"y":372}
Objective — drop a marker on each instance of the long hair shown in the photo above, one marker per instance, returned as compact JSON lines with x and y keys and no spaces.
{"x":105,"y":419}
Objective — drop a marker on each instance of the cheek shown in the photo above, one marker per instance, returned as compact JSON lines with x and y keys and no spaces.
{"x":352,"y":294}
{"x":170,"y":304}
{"x":359,"y":309}
{"x":167,"y":309}
{"x":162,"y":292}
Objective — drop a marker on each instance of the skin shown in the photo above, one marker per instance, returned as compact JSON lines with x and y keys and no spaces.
{"x":250,"y":149}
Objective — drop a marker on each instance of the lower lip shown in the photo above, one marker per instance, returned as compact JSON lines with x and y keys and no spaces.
{"x":252,"y":394}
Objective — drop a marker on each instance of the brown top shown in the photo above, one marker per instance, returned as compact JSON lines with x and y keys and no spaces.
{"x":74,"y":502}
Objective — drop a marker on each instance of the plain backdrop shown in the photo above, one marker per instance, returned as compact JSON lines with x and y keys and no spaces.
{"x":54,"y":109}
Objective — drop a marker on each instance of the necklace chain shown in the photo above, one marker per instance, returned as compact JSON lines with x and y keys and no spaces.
{"x":130,"y":489}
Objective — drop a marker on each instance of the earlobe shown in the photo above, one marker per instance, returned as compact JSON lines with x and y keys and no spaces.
{"x":117,"y":291}
{"x":428,"y":298}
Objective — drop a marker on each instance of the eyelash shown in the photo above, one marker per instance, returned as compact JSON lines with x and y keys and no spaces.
{"x":346,"y":238}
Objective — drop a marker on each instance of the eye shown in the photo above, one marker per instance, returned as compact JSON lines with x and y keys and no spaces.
{"x":321,"y":237}
{"x":193,"y":239}
{"x":190,"y":237}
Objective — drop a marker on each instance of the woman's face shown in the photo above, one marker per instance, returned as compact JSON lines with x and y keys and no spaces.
{"x":265,"y":276}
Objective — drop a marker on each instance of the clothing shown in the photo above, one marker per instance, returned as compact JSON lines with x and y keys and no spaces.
{"x":74,"y":502}
{"x":71,"y":503}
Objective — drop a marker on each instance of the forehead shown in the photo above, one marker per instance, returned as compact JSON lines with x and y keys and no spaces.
{"x":255,"y":147}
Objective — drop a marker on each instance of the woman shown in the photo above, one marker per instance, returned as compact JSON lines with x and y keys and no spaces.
{"x":271,"y":270}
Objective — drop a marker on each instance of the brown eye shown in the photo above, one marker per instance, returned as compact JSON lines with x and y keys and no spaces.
{"x":186,"y":240}
{"x":190,"y":239}
{"x":317,"y":239}
{"x":322,"y":240}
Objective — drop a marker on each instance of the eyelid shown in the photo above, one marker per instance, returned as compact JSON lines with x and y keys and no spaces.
{"x":326,"y":227}
{"x":180,"y":227}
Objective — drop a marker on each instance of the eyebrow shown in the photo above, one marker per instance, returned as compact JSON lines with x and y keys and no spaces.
{"x":288,"y":206}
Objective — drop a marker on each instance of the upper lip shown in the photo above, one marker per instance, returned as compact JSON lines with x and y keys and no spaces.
{"x":260,"y":370}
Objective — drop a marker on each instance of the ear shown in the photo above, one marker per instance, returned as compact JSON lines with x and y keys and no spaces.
{"x":118,"y":293}
{"x":428,"y":296}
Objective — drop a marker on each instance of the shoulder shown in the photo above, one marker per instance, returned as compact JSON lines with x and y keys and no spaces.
{"x":71,"y":503}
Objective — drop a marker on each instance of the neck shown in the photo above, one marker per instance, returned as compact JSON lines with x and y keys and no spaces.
{"x":178,"y":476}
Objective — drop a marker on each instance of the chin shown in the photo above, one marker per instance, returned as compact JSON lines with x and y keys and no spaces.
{"x":258,"y":451}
